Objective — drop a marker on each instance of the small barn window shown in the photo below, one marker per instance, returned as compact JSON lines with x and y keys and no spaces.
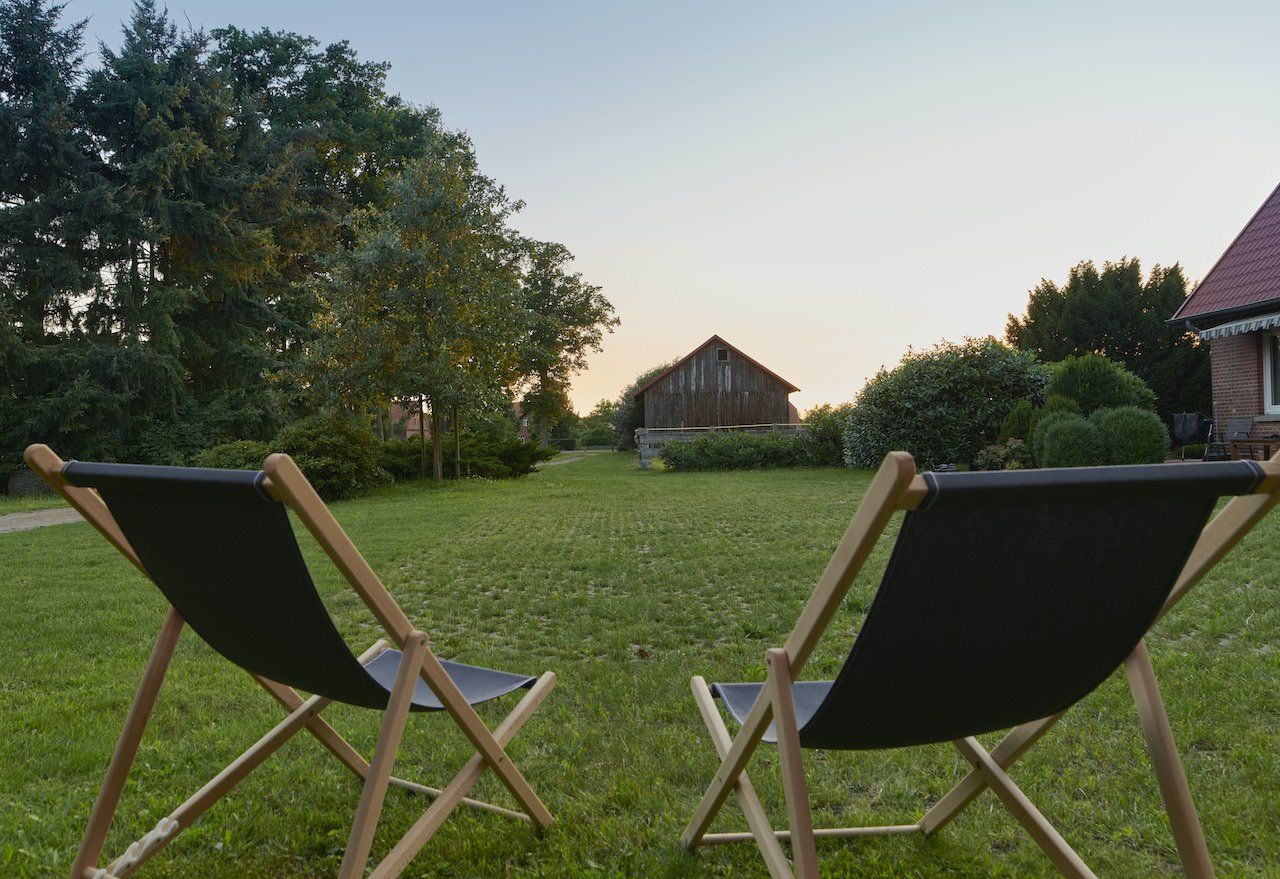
{"x":722,"y":355}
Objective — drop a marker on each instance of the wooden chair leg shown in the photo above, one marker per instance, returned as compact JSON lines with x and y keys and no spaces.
{"x":483,"y":740}
{"x":384,"y":756}
{"x":1044,"y":833}
{"x":455,"y":792}
{"x":144,"y":700}
{"x":799,"y":812}
{"x":1187,"y":832}
{"x":757,"y":820}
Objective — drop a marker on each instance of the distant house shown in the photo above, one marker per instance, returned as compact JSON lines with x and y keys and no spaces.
{"x":1236,"y":309}
{"x":414,"y":424}
{"x":714,"y":387}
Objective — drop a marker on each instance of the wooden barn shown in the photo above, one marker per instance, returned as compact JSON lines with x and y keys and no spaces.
{"x":715,"y":386}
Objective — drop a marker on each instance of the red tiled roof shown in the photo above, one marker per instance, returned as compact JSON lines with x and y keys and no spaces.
{"x":1248,"y":273}
{"x":672,"y":368}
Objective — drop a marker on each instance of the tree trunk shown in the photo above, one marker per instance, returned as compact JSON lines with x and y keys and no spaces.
{"x":437,"y":450}
{"x":542,"y":433}
{"x":457,"y":447}
{"x":422,"y":434}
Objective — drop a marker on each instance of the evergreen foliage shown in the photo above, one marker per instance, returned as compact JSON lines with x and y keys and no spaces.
{"x":1073,"y":442}
{"x":173,"y":227}
{"x":1132,"y":435}
{"x":1116,"y":313}
{"x":1094,"y":382}
{"x":628,"y":414}
{"x":1041,"y":428}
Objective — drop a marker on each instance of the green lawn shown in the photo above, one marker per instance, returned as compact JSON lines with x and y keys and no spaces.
{"x":24,"y":502}
{"x":625,"y":583}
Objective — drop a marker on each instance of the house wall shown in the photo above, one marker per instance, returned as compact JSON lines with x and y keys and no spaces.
{"x":705,"y":392}
{"x":1236,"y":362}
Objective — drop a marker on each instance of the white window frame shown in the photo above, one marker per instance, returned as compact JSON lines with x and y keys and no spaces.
{"x":1268,"y":371}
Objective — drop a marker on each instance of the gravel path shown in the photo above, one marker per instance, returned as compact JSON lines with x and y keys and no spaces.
{"x":37,"y":519}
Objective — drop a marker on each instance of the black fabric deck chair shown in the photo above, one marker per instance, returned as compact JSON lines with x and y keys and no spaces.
{"x":219,"y":545}
{"x":1008,"y":597}
{"x":1190,"y":428}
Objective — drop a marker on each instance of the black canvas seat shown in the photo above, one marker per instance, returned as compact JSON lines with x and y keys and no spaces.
{"x":1007,"y":598}
{"x":1046,"y":578}
{"x":220,"y":546}
{"x":223,"y":552}
{"x":738,"y":699}
{"x":476,"y":684}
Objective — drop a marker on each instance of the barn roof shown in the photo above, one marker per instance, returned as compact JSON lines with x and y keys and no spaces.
{"x":791,"y":389}
{"x":1245,"y":277}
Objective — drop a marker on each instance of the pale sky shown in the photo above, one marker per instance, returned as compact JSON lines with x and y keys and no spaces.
{"x":826,"y":184}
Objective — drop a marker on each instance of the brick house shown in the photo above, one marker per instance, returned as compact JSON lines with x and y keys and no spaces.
{"x":1236,"y":309}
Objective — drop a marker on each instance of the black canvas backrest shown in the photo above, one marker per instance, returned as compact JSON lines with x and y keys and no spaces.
{"x":224,"y":555}
{"x":1010,"y":596}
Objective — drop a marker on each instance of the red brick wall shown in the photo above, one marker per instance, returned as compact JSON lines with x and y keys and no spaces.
{"x":1237,"y":375}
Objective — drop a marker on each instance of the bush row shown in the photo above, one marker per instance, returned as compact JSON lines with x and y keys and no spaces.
{"x":816,"y":445}
{"x":342,"y":456}
{"x":1123,"y":435}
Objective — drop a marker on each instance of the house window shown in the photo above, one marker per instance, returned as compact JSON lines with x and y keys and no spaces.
{"x":1271,"y":373}
{"x":722,"y":355}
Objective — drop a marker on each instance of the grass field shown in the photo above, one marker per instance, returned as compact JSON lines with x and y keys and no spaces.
{"x":625,"y":583}
{"x":23,"y":503}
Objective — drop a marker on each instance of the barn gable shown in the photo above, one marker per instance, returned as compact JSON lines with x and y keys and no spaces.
{"x":716,"y":385}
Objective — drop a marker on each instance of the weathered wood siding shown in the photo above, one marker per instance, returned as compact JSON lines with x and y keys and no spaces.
{"x":706,"y":392}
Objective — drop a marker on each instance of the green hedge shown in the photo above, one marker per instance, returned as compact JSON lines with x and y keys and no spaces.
{"x":733,"y":450}
{"x":1041,"y":428}
{"x":1017,"y":424}
{"x":821,"y":442}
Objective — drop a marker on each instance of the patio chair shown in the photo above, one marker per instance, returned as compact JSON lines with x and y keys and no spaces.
{"x":1218,"y":448}
{"x":1008,"y":597}
{"x":219,"y":545}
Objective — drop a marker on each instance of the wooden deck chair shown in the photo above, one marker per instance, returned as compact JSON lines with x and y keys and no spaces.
{"x":1007,"y":598}
{"x":219,"y":545}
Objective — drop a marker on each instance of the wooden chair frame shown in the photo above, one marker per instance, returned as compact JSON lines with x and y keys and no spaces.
{"x":286,"y":483}
{"x":896,"y":487}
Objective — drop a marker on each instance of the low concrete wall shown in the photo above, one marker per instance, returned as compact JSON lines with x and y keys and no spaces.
{"x":649,"y":441}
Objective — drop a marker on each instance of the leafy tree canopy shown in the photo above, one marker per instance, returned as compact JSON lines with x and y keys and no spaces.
{"x":1117,"y":313}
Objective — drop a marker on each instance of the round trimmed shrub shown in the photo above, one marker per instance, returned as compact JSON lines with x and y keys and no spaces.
{"x":1042,"y":425}
{"x":1073,"y":442}
{"x":1095,"y":382}
{"x":1132,"y":435}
